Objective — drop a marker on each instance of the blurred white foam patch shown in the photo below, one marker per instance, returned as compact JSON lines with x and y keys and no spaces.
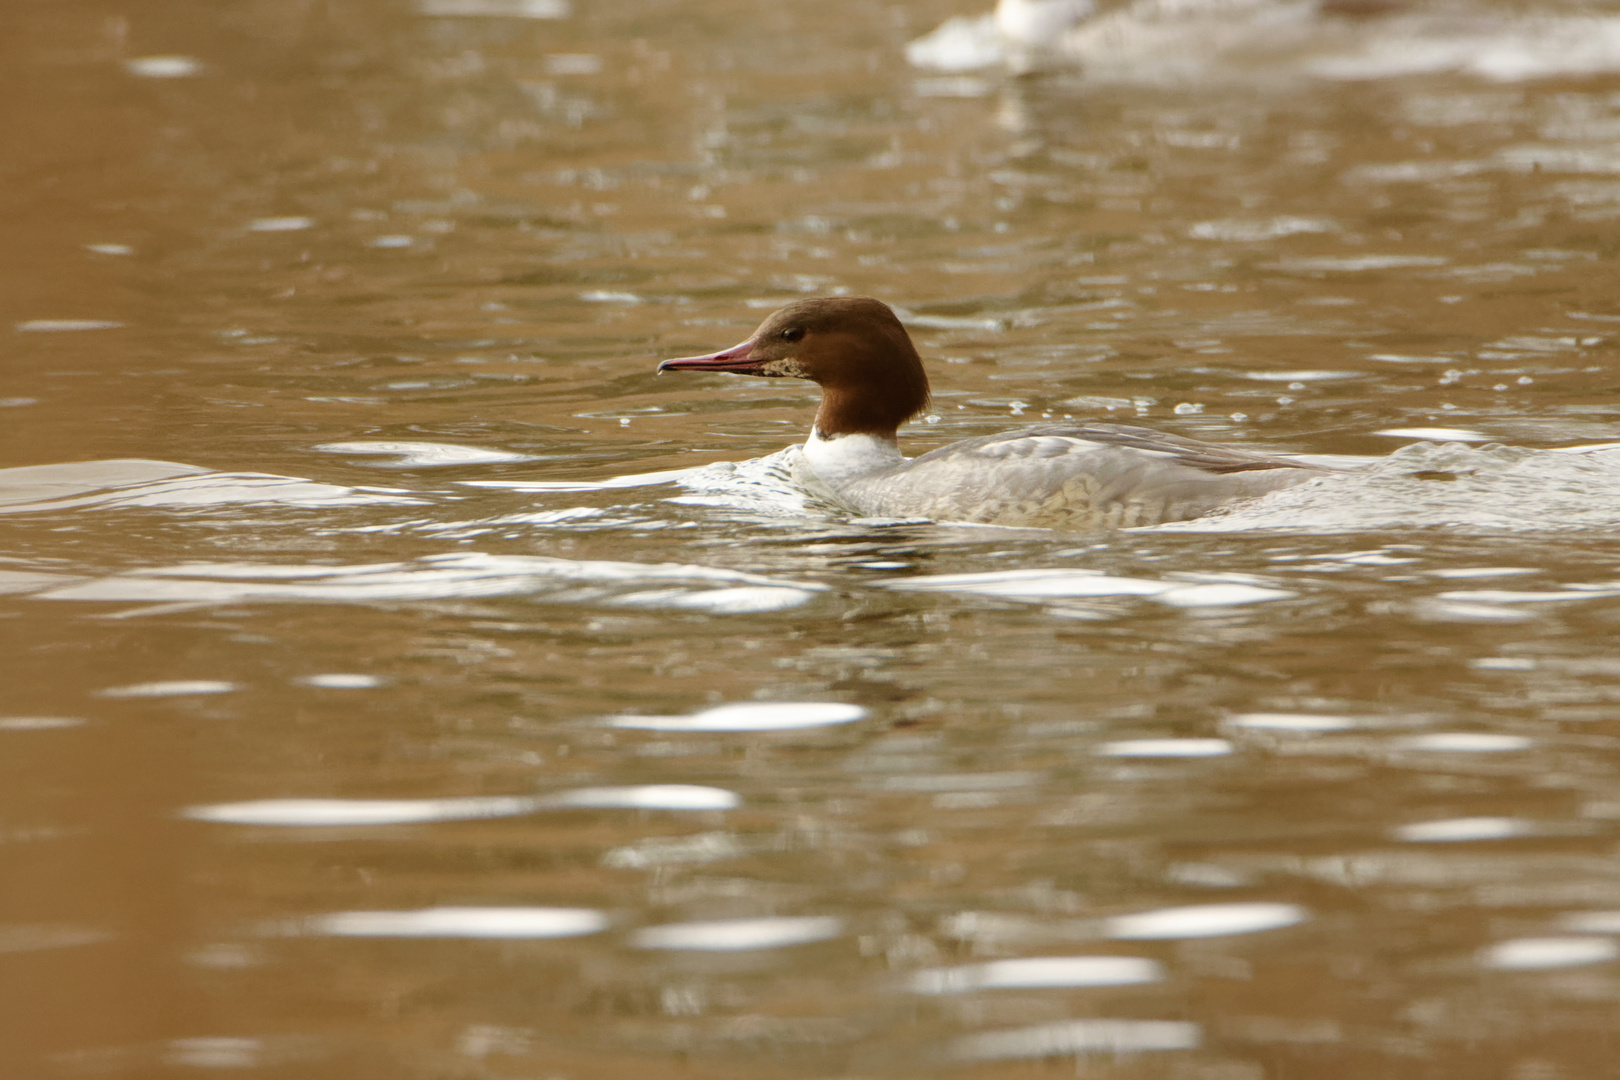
{"x":460,"y":922}
{"x":1196,"y":41}
{"x":648,"y":797}
{"x":667,"y":476}
{"x":1305,"y":723}
{"x":1549,"y":953}
{"x":215,"y":1052}
{"x":961,"y":43}
{"x":1038,"y":972}
{"x":338,"y":680}
{"x":1592,"y":922}
{"x":1435,"y":434}
{"x":736,"y":935}
{"x":1465,"y":742}
{"x":304,"y":813}
{"x":676,"y":586}
{"x":27,"y":581}
{"x":1095,"y":1036}
{"x":1458,"y":830}
{"x":136,"y":482}
{"x":317,"y":813}
{"x":674,"y":851}
{"x":1248,"y":230}
{"x":280,"y":224}
{"x":163,"y":67}
{"x":497,"y":9}
{"x":1203,"y":920}
{"x":1057,"y":584}
{"x":1511,"y":596}
{"x":36,"y":937}
{"x":38,"y":723}
{"x":65,"y":326}
{"x":1450,"y":485}
{"x":170,"y":688}
{"x":1353,"y":264}
{"x":1165,"y":748}
{"x":750,"y":716}
{"x":416,"y":455}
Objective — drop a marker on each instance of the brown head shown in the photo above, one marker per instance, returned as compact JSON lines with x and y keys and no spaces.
{"x":854,"y":347}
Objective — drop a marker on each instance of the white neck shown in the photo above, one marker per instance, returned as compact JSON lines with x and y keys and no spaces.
{"x":843,"y":458}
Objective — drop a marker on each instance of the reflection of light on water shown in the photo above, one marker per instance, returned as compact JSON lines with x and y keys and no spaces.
{"x":1592,"y":922}
{"x":1300,"y":722}
{"x":460,"y":922}
{"x":1203,"y":920}
{"x":280,"y":224}
{"x":1165,"y":748}
{"x":1035,"y":972}
{"x":37,"y":723}
{"x":728,"y":935}
{"x":1079,"y":1037}
{"x":363,"y":812}
{"x":1466,"y":742}
{"x":750,"y":716}
{"x":215,"y":1052}
{"x":649,"y":797}
{"x":1456,"y":830}
{"x":163,"y":67}
{"x":342,"y":681}
{"x":173,"y":688}
{"x":1036,"y":584}
{"x":59,"y":326}
{"x":1537,"y":954}
{"x":425,"y":454}
{"x":314,"y":812}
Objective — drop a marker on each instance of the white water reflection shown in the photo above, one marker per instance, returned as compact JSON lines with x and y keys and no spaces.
{"x":136,"y":482}
{"x":35,"y":937}
{"x":1203,"y":920}
{"x":1592,"y":922}
{"x":305,"y":813}
{"x":736,"y":935}
{"x":425,"y":454}
{"x":1165,"y":748}
{"x":38,"y":723}
{"x":62,"y":326}
{"x":750,"y":716}
{"x":1079,"y":1037}
{"x":1039,"y":972}
{"x":460,"y":574}
{"x":1066,"y":583}
{"x":1304,"y":723}
{"x":1549,"y":953}
{"x":171,"y":688}
{"x":1466,"y":742}
{"x":648,"y":797}
{"x":459,"y":922}
{"x":1460,"y":830}
{"x":338,"y":680}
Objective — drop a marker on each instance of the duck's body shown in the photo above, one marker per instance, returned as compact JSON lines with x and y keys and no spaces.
{"x":1073,"y":476}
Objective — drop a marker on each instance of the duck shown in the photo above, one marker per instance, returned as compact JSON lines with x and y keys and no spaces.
{"x":1070,"y":476}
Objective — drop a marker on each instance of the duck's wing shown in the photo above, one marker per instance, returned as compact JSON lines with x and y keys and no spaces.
{"x":1048,"y":441}
{"x":1073,"y":476}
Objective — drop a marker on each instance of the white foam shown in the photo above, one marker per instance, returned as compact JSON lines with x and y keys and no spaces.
{"x":1459,"y":830}
{"x":1548,"y":953}
{"x":460,"y":922}
{"x":1204,"y":920}
{"x":1079,"y":1037}
{"x":735,"y":935}
{"x":1165,"y":748}
{"x":1038,"y":972}
{"x":750,"y":716}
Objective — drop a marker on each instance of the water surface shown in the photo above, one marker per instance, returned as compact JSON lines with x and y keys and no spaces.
{"x":400,"y":680}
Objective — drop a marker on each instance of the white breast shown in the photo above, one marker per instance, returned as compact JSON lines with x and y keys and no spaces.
{"x":843,"y":458}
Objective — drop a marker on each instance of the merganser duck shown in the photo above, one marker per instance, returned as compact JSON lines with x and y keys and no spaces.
{"x":1072,"y":476}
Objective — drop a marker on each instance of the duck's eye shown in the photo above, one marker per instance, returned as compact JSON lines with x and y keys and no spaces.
{"x":792,"y":333}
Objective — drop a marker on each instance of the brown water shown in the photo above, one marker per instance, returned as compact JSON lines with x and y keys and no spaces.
{"x":1330,"y":790}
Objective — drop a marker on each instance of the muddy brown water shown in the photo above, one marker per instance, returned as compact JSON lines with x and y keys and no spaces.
{"x":377,"y":735}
